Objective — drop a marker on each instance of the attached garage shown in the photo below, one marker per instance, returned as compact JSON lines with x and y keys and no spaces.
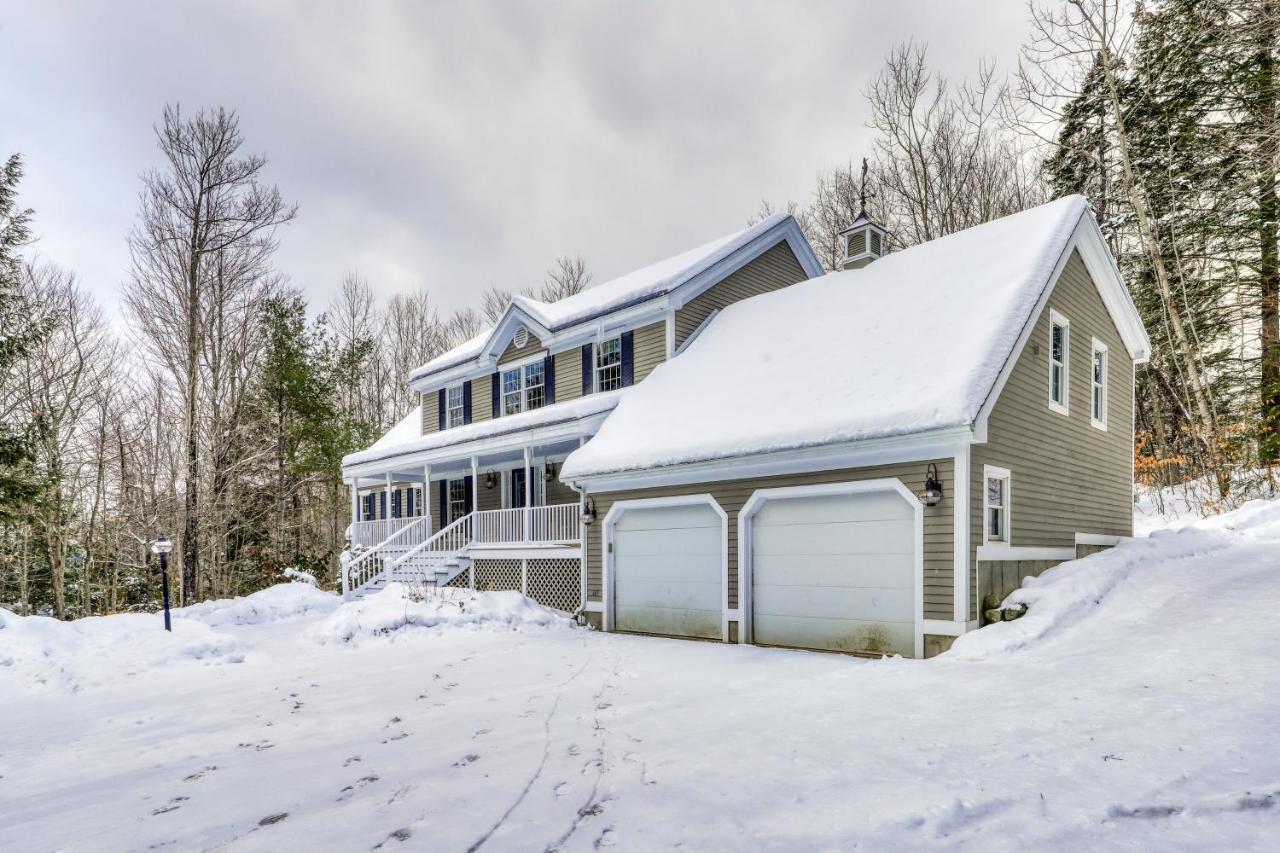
{"x":668,"y":567}
{"x":836,"y":568}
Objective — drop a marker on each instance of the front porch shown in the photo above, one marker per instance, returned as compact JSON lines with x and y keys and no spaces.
{"x":493,"y":520}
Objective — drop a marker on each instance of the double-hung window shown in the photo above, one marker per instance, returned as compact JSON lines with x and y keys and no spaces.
{"x":457,"y":500}
{"x":995,"y":505}
{"x":1098,"y":385}
{"x":455,"y":414}
{"x":1059,"y":361}
{"x":523,"y":388}
{"x":609,"y":364}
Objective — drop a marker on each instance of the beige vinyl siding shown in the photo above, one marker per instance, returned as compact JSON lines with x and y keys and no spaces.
{"x":1066,"y":476}
{"x":649,"y":349}
{"x":489,"y":498}
{"x":559,"y":493}
{"x":482,"y":398}
{"x":774,"y":269}
{"x":568,"y":374}
{"x":939,"y":556}
{"x":431,"y":412}
{"x":513,"y":353}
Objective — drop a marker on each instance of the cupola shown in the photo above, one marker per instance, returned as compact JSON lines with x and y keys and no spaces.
{"x":863,"y":242}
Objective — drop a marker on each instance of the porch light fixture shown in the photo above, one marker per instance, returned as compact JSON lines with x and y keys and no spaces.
{"x":491,"y":479}
{"x":588,"y":511}
{"x":932,"y":494}
{"x":549,"y":472}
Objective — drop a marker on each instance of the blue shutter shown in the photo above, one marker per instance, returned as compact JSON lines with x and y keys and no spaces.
{"x":442,"y":410}
{"x":382,"y":503}
{"x":467,"y":491}
{"x":495,"y":389}
{"x":409,"y":494}
{"x":395,"y":504}
{"x":466,"y":402}
{"x":628,"y":358}
{"x":444,"y":503}
{"x":549,"y":378}
{"x":587,"y":365}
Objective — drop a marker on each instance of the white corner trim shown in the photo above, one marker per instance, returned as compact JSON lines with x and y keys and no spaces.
{"x":607,"y":558}
{"x":684,"y":345}
{"x":761,"y":496}
{"x":670,"y":330}
{"x":1099,"y":539}
{"x":946,"y":627}
{"x":961,"y":522}
{"x":1006,"y":553}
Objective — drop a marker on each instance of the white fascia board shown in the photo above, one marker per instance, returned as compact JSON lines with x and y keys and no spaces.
{"x":1102,"y":269}
{"x":937,"y":444}
{"x":1007,"y":553}
{"x":512,"y":318}
{"x":786,"y":231}
{"x":504,"y":442}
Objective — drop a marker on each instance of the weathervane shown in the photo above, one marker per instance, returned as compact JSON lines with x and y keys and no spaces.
{"x":863,"y":195}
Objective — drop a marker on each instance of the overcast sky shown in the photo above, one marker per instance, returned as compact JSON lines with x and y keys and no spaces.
{"x":461,"y":145}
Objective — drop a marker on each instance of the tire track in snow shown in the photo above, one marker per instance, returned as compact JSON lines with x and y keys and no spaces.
{"x":546,"y":753}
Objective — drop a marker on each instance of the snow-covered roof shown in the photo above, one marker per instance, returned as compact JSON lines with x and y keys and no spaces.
{"x":402,"y":440}
{"x":910,"y":343}
{"x":641,"y":285}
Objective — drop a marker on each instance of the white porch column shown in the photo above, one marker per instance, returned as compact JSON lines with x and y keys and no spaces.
{"x":387,"y":516}
{"x":528,"y":492}
{"x":355,"y":500}
{"x":426,"y":496}
{"x":475,"y":484}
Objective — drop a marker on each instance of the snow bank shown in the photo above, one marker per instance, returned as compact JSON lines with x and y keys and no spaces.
{"x":282,"y":601}
{"x":394,"y":609}
{"x":39,"y":651}
{"x":1070,"y":591}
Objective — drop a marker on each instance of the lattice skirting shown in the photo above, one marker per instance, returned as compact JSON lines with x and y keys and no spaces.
{"x":550,"y":582}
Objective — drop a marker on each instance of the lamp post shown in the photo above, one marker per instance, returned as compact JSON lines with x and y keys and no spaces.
{"x":162,"y":547}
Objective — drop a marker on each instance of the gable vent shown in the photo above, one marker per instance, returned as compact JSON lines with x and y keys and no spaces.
{"x":521,"y":337}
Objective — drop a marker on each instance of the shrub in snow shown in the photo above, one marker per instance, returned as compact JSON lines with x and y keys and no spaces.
{"x":298,"y":576}
{"x":398,"y":607}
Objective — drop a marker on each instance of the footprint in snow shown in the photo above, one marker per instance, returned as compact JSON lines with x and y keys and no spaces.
{"x":480,"y":733}
{"x":259,"y":746}
{"x":352,"y":760}
{"x":561,"y":789}
{"x":273,"y":818}
{"x":173,"y":805}
{"x":199,"y":774}
{"x":347,"y":792}
{"x":400,"y":736}
{"x":574,"y":749}
{"x":466,"y":759}
{"x":608,"y":838}
{"x":401,"y":834}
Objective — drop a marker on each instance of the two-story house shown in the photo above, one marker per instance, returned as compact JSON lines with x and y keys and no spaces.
{"x":848,"y":463}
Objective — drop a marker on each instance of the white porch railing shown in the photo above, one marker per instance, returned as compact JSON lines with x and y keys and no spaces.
{"x":405,"y":533}
{"x":369,"y":533}
{"x":555,"y":523}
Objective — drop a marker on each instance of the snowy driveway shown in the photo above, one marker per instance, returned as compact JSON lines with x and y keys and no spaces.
{"x":1149,"y":723}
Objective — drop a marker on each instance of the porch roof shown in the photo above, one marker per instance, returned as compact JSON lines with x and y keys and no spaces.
{"x":549,"y":424}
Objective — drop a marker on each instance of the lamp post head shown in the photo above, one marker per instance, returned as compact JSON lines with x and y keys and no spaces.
{"x":162,"y":545}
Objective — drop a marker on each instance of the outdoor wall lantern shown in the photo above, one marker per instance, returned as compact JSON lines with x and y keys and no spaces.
{"x":588,"y":511}
{"x":549,"y":472}
{"x":491,"y":479}
{"x":932,"y":495}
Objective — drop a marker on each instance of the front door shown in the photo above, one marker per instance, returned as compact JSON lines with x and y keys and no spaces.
{"x":516,"y":493}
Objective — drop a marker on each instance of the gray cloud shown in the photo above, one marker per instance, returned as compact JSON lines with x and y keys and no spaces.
{"x":459,"y":145}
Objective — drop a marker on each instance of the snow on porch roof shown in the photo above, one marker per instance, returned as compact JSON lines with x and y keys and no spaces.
{"x":912,"y":342}
{"x":637,"y":286}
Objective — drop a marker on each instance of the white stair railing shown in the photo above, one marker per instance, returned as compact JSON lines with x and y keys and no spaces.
{"x":365,"y":566}
{"x":448,"y":542}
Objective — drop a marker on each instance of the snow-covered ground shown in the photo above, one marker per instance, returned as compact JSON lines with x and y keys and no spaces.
{"x":1134,"y":707}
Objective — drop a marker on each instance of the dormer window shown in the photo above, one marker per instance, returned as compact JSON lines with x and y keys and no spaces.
{"x":455,"y":407}
{"x":523,"y":388}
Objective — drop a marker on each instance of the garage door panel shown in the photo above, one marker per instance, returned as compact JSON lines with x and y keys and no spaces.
{"x":861,"y":603}
{"x":836,"y":635}
{"x":699,"y":541}
{"x":668,"y":571}
{"x":851,"y":537}
{"x":673,"y":517}
{"x":822,"y":571}
{"x":672,"y":622}
{"x":868,"y":506}
{"x":835,"y":572}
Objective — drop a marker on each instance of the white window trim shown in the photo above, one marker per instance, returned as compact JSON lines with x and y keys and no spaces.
{"x":503,"y":393}
{"x":462,"y":406}
{"x":990,"y":472}
{"x":596,"y":350}
{"x":1063,"y":408}
{"x":1094,"y":419}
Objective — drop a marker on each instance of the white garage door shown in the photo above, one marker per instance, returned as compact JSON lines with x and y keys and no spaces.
{"x":668,"y":576}
{"x":835,"y":572}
